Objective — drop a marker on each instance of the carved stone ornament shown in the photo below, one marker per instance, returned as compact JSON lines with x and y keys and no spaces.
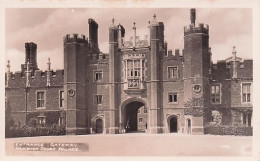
{"x":197,"y":88}
{"x":71,"y":92}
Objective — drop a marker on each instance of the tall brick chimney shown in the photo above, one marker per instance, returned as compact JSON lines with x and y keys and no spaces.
{"x":30,"y":56}
{"x":93,"y":33}
{"x":193,"y":16}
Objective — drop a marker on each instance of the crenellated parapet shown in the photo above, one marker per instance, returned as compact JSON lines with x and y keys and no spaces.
{"x":75,"y":38}
{"x":192,"y":29}
{"x":36,"y":79}
{"x":223,"y":69}
{"x":175,"y":55}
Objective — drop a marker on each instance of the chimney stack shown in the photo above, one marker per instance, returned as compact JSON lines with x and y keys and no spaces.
{"x":193,"y":16}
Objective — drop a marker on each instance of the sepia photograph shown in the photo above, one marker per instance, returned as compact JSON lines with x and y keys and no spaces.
{"x":145,"y":82}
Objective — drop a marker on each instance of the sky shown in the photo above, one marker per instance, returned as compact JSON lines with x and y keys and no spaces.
{"x":47,"y":26}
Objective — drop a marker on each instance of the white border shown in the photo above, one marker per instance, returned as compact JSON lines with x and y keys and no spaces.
{"x":254,"y":4}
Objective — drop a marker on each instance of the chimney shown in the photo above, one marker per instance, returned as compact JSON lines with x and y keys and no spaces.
{"x":30,"y":56}
{"x":193,"y":16}
{"x":93,"y":32}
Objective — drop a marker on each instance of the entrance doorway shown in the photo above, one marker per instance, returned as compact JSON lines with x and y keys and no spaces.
{"x":173,"y":125}
{"x":99,"y":126}
{"x":188,"y":126}
{"x":135,"y":117}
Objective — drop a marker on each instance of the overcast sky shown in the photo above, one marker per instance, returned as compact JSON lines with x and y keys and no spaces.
{"x":46,"y":27}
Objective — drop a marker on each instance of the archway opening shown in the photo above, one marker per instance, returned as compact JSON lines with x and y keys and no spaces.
{"x":173,"y":125}
{"x":99,"y":126}
{"x":135,"y":117}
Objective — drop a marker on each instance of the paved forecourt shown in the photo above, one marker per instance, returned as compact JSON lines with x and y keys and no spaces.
{"x":133,"y":145}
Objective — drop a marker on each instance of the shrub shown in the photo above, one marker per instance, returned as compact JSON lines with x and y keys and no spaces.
{"x":228,"y":130}
{"x":28,"y":131}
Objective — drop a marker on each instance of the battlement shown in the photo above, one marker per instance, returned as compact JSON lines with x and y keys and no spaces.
{"x":75,"y":38}
{"x":38,"y":78}
{"x":191,"y":29}
{"x":224,"y":70}
{"x":176,"y":55}
{"x":36,"y":74}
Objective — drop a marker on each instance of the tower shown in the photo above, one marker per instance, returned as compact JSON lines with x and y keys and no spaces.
{"x":155,"y":66}
{"x":30,"y":56}
{"x":75,"y":79}
{"x":114,"y":78}
{"x":196,"y":69}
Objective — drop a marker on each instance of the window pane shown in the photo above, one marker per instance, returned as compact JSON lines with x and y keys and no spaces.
{"x":170,"y":98}
{"x":132,"y":73}
{"x":217,"y":89}
{"x":244,"y":97}
{"x":38,"y":103}
{"x":175,"y":98}
{"x":248,"y":88}
{"x":61,"y":94}
{"x":244,"y":88}
{"x":137,"y":63}
{"x":248,"y":97}
{"x":129,"y":64}
{"x":175,"y":73}
{"x":213,"y":90}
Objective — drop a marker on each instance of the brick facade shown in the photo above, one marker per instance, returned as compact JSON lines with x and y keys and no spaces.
{"x":101,"y":92}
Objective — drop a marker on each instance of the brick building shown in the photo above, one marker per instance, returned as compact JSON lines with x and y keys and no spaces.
{"x":139,"y":85}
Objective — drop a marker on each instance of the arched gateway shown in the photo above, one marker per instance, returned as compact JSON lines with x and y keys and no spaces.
{"x":134,"y":116}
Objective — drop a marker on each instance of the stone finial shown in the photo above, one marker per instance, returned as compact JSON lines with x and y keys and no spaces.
{"x":154,"y":17}
{"x":154,"y":20}
{"x":234,"y":62}
{"x":113,"y":21}
{"x":28,"y":66}
{"x":234,"y":50}
{"x":134,"y":27}
{"x":8,"y":66}
{"x":49,"y":64}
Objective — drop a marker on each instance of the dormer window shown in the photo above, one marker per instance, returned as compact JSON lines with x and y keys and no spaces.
{"x":241,"y":65}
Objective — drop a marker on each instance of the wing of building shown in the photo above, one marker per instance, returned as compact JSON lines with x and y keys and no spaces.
{"x":139,"y":86}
